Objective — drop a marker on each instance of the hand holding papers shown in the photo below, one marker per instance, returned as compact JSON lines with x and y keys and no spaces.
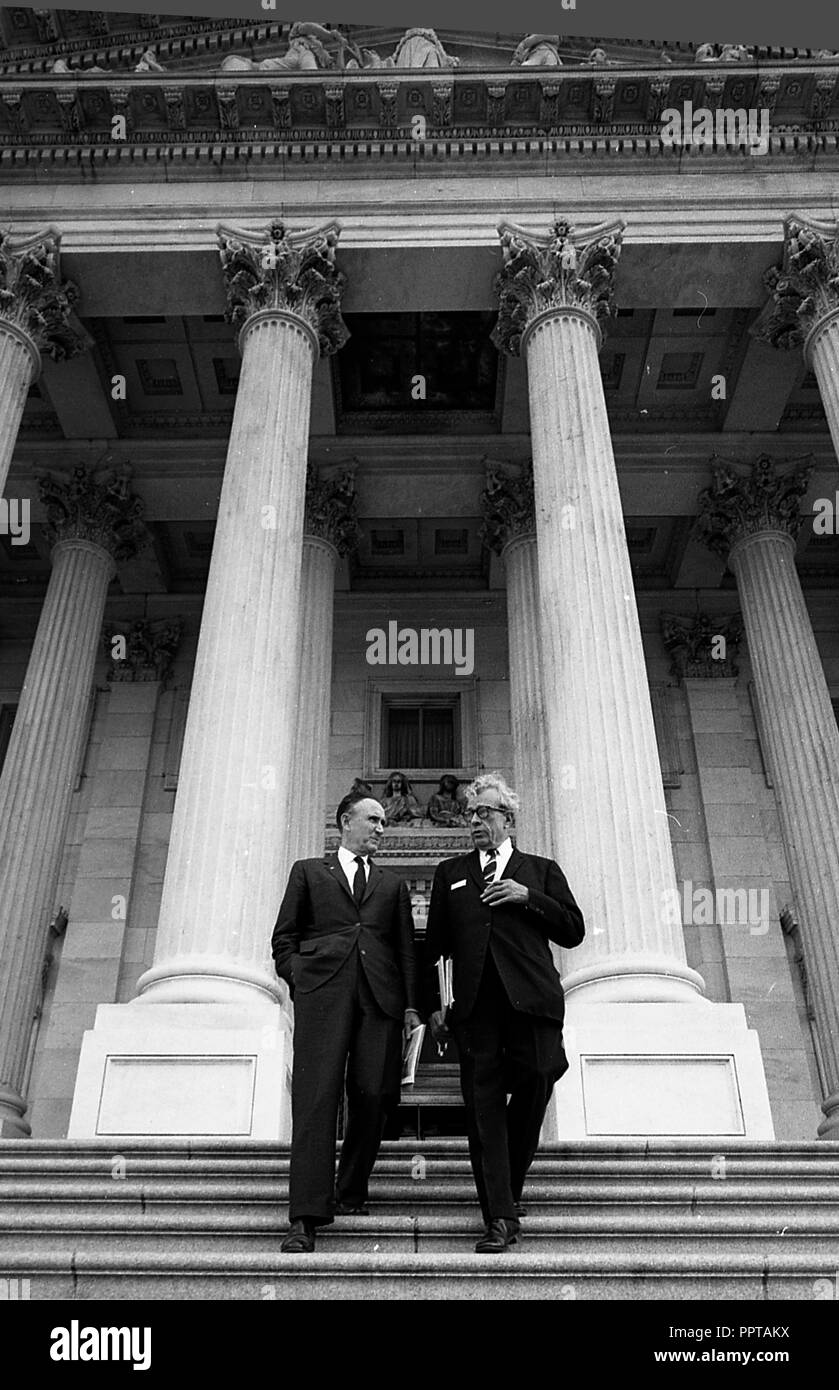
{"x":410,"y":1054}
{"x":438,"y":1020}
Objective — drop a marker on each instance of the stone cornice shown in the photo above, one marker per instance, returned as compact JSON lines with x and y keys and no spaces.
{"x":370,"y":112}
{"x":738,"y":504}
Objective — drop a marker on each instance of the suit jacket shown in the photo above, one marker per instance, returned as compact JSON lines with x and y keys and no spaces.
{"x":461,"y":926}
{"x":319,"y":924}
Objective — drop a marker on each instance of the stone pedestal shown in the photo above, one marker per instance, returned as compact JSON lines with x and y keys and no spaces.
{"x":92,"y":523}
{"x":34,"y":318}
{"x":610,"y":821}
{"x":752,"y":520}
{"x":233,"y":832}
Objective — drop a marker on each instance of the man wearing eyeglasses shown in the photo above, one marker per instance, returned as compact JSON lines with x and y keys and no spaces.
{"x":494,"y":911}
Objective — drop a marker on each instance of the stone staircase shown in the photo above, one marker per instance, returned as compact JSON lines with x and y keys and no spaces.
{"x":175,"y":1219}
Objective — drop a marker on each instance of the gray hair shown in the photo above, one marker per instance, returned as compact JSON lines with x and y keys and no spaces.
{"x":493,"y":781}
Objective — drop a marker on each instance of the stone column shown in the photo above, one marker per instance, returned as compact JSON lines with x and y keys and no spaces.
{"x":92,"y":523}
{"x":510,"y":530}
{"x":205,"y":1049}
{"x":804,"y":309}
{"x":610,"y":820}
{"x":35,"y":306}
{"x":233,"y":824}
{"x":330,"y":531}
{"x":751,"y":519}
{"x":640,"y":1035}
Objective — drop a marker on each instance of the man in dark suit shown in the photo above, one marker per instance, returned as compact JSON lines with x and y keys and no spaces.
{"x":344,"y":943}
{"x":494,"y":912}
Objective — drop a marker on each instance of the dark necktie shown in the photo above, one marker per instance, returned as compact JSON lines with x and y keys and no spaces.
{"x":489,"y":867}
{"x":360,"y":881}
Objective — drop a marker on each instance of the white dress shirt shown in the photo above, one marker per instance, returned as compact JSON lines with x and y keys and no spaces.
{"x":347,"y":861}
{"x":502,"y":854}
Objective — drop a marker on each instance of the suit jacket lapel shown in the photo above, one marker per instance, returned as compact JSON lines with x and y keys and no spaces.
{"x":516,"y":858}
{"x":333,"y":864}
{"x":373,"y":878}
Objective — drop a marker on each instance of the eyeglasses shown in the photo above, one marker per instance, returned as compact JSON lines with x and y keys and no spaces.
{"x":484,"y":812}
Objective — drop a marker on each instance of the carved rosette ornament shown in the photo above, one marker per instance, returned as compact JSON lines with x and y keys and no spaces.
{"x":805,"y":288}
{"x":290,"y":272}
{"x":331,"y":509}
{"x":149,"y":649}
{"x":508,"y":506}
{"x":737,"y":505}
{"x":695,"y":648}
{"x":101,"y":509}
{"x":33,"y":296}
{"x":563,"y":270}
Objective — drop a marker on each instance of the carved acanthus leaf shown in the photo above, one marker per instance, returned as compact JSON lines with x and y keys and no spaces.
{"x":291,"y":271}
{"x":564,"y":269}
{"x":739,"y":504}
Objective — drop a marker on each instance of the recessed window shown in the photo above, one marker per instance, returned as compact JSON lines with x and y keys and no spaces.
{"x":159,"y":376}
{"x":390,"y":542}
{"x":227,"y":374}
{"x":421,"y":734}
{"x":679,"y":371}
{"x":451,"y":541}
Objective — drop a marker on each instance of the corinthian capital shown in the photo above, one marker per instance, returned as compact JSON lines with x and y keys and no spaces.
{"x":806,"y":285}
{"x":291,"y":271}
{"x":100,"y":509}
{"x":565,"y":269}
{"x":741,"y":504}
{"x":33,"y":296}
{"x":508,"y":506}
{"x":331,"y":507}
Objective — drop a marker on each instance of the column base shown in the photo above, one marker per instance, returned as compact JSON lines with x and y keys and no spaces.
{"x":660,"y":1071}
{"x":12,"y":1111}
{"x":829,"y":1127}
{"x":185,"y":1070}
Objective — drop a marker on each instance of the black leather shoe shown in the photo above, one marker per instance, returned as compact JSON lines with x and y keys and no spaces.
{"x":344,"y":1209}
{"x":300,"y":1239}
{"x":497,"y":1238}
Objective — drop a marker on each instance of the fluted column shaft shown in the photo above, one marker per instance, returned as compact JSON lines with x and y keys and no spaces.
{"x":317,"y":605}
{"x":821,"y":352}
{"x":803,"y":744}
{"x":231,"y":829}
{"x":611,"y":822}
{"x":35,"y":790}
{"x":527,"y":706}
{"x":20,"y":364}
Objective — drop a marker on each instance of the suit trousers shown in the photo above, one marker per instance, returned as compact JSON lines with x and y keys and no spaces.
{"x":339,"y":1029}
{"x":505,"y":1052}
